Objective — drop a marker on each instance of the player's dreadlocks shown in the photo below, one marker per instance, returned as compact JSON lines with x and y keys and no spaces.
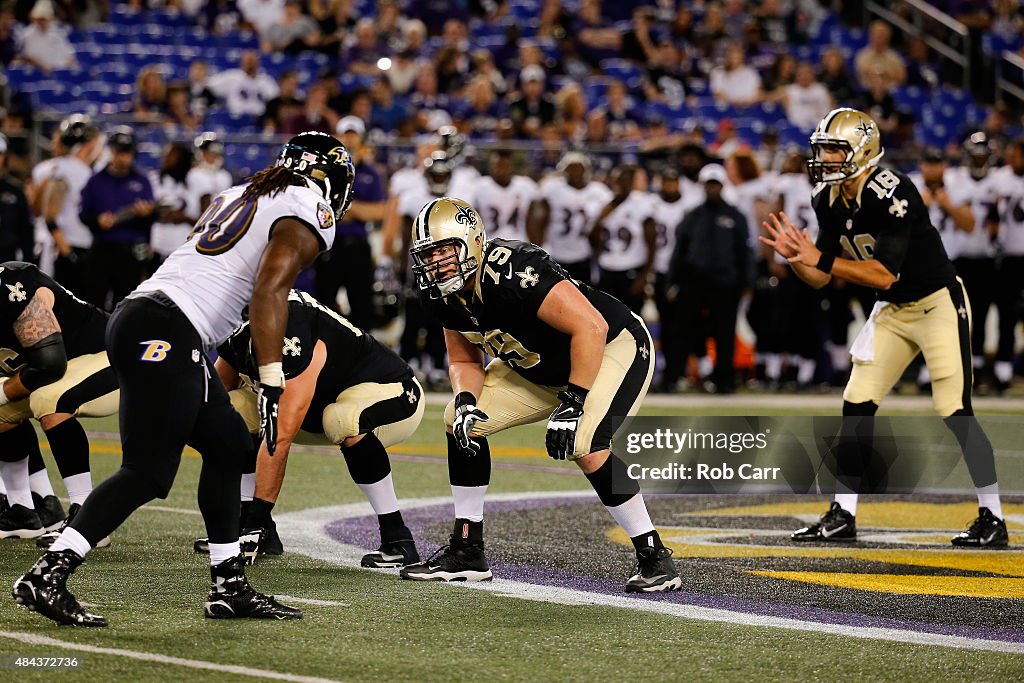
{"x":270,"y":181}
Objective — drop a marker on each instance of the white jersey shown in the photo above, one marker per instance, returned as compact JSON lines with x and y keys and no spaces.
{"x":573,"y":212}
{"x":45,"y":248}
{"x":211,"y":276}
{"x":504,"y":209}
{"x":745,"y":197}
{"x":981,"y":193}
{"x":624,"y":245}
{"x":958,"y":196}
{"x":464,"y":180}
{"x":1009,"y":191}
{"x":405,"y":179}
{"x":795,"y":191}
{"x":164,"y":238}
{"x":75,"y":173}
{"x":667,"y":217}
{"x":206,"y":180}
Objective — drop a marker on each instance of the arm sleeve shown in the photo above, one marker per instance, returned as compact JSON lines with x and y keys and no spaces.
{"x":47,"y":362}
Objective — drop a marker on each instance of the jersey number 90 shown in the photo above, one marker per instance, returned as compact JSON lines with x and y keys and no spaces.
{"x":223,"y":224}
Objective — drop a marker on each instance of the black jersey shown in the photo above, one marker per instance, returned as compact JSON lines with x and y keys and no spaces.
{"x":82,"y":325}
{"x":501,"y":315}
{"x":353,"y":357}
{"x":889,"y":223}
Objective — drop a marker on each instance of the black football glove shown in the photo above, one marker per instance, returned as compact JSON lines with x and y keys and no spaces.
{"x":563,"y":423}
{"x":466,"y":415}
{"x":267,"y":398}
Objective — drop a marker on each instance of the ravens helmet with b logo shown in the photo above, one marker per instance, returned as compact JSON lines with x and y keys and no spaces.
{"x":447,"y":232}
{"x":325,"y":164}
{"x":851,"y":131}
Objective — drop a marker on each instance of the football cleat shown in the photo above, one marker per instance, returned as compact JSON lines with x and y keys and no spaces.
{"x":44,"y":589}
{"x":18,"y":521}
{"x":986,"y":531}
{"x":654,"y":572}
{"x":50,"y":511}
{"x":458,"y":561}
{"x":392,"y":554}
{"x":231,"y":596}
{"x":47,"y":539}
{"x":835,"y":525}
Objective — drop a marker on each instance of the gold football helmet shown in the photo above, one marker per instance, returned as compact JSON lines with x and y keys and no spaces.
{"x":852,"y":131}
{"x":447,"y":246}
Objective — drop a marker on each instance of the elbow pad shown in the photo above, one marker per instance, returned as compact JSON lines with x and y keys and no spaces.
{"x":47,"y":362}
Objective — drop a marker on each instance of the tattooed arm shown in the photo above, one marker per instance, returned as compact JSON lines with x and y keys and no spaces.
{"x":39,"y":333}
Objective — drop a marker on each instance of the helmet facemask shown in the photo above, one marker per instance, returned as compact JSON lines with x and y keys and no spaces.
{"x":855,"y":135}
{"x":444,"y":267}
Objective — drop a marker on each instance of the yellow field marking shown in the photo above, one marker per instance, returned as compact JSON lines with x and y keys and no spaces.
{"x":903,"y":584}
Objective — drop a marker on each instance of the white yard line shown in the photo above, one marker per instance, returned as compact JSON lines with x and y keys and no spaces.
{"x":35,"y":639}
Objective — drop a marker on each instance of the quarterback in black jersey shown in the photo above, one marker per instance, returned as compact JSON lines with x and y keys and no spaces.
{"x":874,"y":230}
{"x":340,"y":383}
{"x":53,"y":367}
{"x":562,"y":351}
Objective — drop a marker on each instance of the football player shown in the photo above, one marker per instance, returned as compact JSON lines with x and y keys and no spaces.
{"x":340,"y":383}
{"x":53,"y":366}
{"x":563,"y":352}
{"x":1008,"y":186}
{"x":879,"y":219}
{"x":505,"y":200}
{"x":247,"y":249}
{"x":625,"y":235}
{"x":208,"y":177}
{"x":566,"y":211}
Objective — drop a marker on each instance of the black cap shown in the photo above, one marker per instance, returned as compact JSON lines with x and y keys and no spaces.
{"x":122,"y":139}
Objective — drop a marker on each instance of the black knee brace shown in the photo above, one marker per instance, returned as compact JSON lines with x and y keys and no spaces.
{"x":367,"y":460}
{"x":611,"y":482}
{"x":469,"y":470}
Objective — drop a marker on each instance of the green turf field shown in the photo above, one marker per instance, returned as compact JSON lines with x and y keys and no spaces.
{"x":370,"y":626}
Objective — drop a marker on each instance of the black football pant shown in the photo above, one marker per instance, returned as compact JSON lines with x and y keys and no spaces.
{"x":675,"y":354}
{"x":979,"y":276}
{"x":619,"y":283}
{"x":115,"y":270}
{"x":721,"y":305}
{"x":169,"y":399}
{"x":1009,"y":301}
{"x":348,"y":264}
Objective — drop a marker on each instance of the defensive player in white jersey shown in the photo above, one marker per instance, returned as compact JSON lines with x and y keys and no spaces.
{"x":208,"y":177}
{"x":247,"y":249}
{"x":566,"y":212}
{"x":505,"y":200}
{"x":82,"y":144}
{"x":668,"y":206}
{"x":625,"y":234}
{"x":976,"y":263}
{"x":1008,"y":185}
{"x":179,"y":206}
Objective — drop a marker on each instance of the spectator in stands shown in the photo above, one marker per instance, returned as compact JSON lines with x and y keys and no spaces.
{"x":877,"y":58}
{"x":403,"y":72}
{"x":534,"y":107}
{"x":9,"y":45}
{"x":118,"y":206}
{"x":711,"y":31}
{"x":781,"y":75}
{"x":483,"y":64}
{"x":683,"y":30}
{"x":292,"y":33}
{"x":621,"y":116}
{"x":286,"y":105}
{"x":200,"y":97}
{"x":637,"y":44}
{"x":414,"y":38}
{"x":388,"y":112}
{"x":246,"y":89}
{"x":834,"y":76}
{"x":315,"y":114}
{"x":921,"y":70}
{"x":555,"y":20}
{"x":806,"y":100}
{"x":336,"y":19}
{"x":178,"y":112}
{"x":571,"y":112}
{"x":880,"y":105}
{"x":349,"y":263}
{"x":666,"y":76}
{"x":44,"y":43}
{"x":362,"y":105}
{"x":455,"y":34}
{"x":451,"y":67}
{"x":593,"y":34}
{"x":734,"y":18}
{"x":261,"y":14}
{"x":361,"y":55}
{"x":479,"y":112}
{"x":426,"y":101}
{"x":760,"y":54}
{"x":150,"y":92}
{"x":388,"y":24}
{"x":734,"y":82}
{"x":771,"y":16}
{"x":17,"y":236}
{"x":571,"y":63}
{"x":220,"y":17}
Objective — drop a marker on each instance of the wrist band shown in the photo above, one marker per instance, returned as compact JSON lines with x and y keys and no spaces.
{"x":465,"y":398}
{"x":272,"y":374}
{"x":825,"y":263}
{"x":578,"y":390}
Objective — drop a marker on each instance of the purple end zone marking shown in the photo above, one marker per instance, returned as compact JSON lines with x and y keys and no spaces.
{"x":363,"y":532}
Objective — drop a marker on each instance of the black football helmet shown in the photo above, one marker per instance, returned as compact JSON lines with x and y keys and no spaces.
{"x":76,"y":130}
{"x":325,"y":164}
{"x":208,"y":142}
{"x":453,"y":143}
{"x":438,"y":170}
{"x":978,"y":154}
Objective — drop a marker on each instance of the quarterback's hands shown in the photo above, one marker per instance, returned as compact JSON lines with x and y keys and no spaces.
{"x":466,"y":415}
{"x":806,"y":252}
{"x":780,"y":235}
{"x":563,"y":423}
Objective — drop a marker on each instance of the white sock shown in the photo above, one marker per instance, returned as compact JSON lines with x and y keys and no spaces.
{"x":1004,"y":371}
{"x":773,"y":366}
{"x":988,"y":497}
{"x":3,"y":489}
{"x":632,"y":516}
{"x":381,"y":495}
{"x":847,"y":501}
{"x":15,"y":475}
{"x":70,"y":539}
{"x":219,"y":552}
{"x":79,"y":487}
{"x":705,"y":367}
{"x":248,"y":487}
{"x":806,"y":372}
{"x":469,"y":502}
{"x":923,"y":375}
{"x":39,"y":483}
